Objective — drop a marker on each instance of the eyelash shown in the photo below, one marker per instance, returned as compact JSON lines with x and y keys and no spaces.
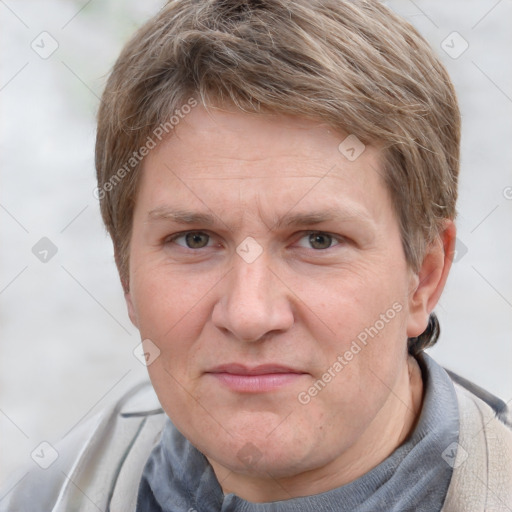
{"x":335,"y":238}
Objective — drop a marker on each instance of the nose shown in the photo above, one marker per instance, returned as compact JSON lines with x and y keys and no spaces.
{"x":254,"y":302}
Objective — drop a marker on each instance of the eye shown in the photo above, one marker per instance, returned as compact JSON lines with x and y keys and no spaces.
{"x":191,"y":239}
{"x":318,"y":240}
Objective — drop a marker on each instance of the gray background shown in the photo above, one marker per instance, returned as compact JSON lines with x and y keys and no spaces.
{"x":66,"y":341}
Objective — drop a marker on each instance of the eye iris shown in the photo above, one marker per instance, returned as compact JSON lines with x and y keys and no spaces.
{"x":320,"y":240}
{"x":196,"y":240}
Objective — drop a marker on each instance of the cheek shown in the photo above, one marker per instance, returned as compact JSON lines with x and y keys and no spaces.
{"x":362,"y":353}
{"x":349,"y":302}
{"x":361,"y":334}
{"x":172,"y":310}
{"x":171,"y":306}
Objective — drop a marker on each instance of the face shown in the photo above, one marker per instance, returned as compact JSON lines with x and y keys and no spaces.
{"x":268,"y":269}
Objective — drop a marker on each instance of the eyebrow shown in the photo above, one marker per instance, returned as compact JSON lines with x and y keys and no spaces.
{"x":319,"y":217}
{"x":288,"y":220}
{"x":181,"y":216}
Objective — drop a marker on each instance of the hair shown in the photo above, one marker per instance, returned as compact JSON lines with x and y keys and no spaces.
{"x":354,"y":65}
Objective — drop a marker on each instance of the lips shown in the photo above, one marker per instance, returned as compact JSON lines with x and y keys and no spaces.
{"x":264,"y":369}
{"x":257,"y":379}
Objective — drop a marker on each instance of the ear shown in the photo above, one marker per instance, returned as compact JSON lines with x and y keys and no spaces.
{"x":131,"y":308}
{"x":429,"y":282}
{"x":125,"y":283}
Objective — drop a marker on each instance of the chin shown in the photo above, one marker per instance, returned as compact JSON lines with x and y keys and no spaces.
{"x":257,"y":450}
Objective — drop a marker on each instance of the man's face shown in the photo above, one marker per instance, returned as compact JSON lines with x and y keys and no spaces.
{"x":260,"y":257}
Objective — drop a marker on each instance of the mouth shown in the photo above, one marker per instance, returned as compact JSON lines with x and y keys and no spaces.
{"x":258,"y":379}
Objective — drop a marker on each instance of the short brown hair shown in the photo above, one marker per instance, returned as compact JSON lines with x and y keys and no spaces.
{"x":352,"y":64}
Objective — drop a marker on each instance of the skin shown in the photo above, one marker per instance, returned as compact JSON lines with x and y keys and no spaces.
{"x":296,"y":304}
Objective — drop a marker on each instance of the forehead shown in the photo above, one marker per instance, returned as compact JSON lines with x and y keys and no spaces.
{"x":223,"y":157}
{"x":229,"y":133}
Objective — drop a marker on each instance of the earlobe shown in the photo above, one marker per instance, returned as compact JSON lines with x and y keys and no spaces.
{"x":431,"y":279}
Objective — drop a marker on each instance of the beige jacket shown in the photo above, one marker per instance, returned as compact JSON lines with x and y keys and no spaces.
{"x":482,"y":475}
{"x":99,"y":467}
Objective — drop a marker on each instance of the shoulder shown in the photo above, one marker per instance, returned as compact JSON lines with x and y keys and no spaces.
{"x":500,"y":408}
{"x":482,"y":467}
{"x":99,"y":464}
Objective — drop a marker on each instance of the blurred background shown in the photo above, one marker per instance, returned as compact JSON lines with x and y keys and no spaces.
{"x":66,"y":341}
